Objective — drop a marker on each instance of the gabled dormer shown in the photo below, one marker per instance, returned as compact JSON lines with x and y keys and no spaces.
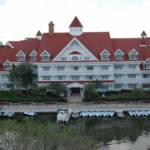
{"x":75,"y":51}
{"x":76,"y":27}
{"x":104,"y":55}
{"x":45,"y":56}
{"x":133,"y":55}
{"x":119,"y":54}
{"x":21,"y":56}
{"x":7,"y":65}
{"x":33,"y":56}
{"x":146,"y":64}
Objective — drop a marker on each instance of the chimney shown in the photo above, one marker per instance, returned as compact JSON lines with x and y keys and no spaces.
{"x":51,"y":27}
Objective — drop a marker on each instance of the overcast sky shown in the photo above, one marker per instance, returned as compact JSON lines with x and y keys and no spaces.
{"x":122,"y":18}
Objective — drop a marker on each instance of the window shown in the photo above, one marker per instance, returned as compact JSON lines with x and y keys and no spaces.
{"x":90,"y":67}
{"x":105,"y":56}
{"x":75,"y":58}
{"x":63,"y":58}
{"x":118,"y":55}
{"x":133,"y":55}
{"x":146,"y":75}
{"x":118,"y":66}
{"x":89,"y":77}
{"x":7,"y":65}
{"x":147,"y":64}
{"x":75,"y":77}
{"x":118,"y":76}
{"x":60,"y":77}
{"x":75,"y":67}
{"x":118,"y":86}
{"x":20,"y":56}
{"x":146,"y":86}
{"x":132,"y":76}
{"x":33,"y":56}
{"x":104,"y":77}
{"x":45,"y":68}
{"x":74,"y":43}
{"x":132,"y":66}
{"x":46,"y":77}
{"x":104,"y":67}
{"x":45,"y":56}
{"x":60,"y":68}
{"x":132,"y":86}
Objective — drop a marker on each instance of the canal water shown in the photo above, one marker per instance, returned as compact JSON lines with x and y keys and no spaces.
{"x":117,"y":133}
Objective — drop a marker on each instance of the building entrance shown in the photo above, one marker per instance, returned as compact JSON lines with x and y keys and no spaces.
{"x":75,"y":90}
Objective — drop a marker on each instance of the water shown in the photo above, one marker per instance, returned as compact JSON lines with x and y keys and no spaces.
{"x":102,"y":133}
{"x":118,"y":134}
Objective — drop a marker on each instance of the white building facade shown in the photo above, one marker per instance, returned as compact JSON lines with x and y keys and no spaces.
{"x":77,"y":58}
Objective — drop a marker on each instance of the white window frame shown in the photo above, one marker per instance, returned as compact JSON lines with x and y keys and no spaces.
{"x":21,"y":56}
{"x":45,"y":56}
{"x":75,"y":58}
{"x":7,"y":65}
{"x":120,"y":56}
{"x":33,"y":56}
{"x":133,"y":55}
{"x":146,"y":64}
{"x":105,"y":55}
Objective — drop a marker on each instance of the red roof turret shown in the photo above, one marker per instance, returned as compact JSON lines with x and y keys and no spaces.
{"x":39,"y":33}
{"x":143,"y":33}
{"x":76,"y":23}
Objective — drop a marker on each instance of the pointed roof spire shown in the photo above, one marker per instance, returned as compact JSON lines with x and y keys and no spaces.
{"x":143,"y":34}
{"x":76,"y":23}
{"x":39,"y":33}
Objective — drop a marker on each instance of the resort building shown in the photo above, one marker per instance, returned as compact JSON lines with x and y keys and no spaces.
{"x":77,"y":58}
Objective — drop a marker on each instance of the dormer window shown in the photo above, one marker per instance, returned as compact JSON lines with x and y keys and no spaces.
{"x":7,"y":65}
{"x":133,"y":55}
{"x":105,"y":55}
{"x":147,"y":64}
{"x":20,"y":56}
{"x":45,"y":56}
{"x":33,"y":56}
{"x":119,"y":55}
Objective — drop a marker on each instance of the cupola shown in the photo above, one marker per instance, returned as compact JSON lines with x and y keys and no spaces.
{"x":39,"y":35}
{"x":76,"y":27}
{"x":143,"y":34}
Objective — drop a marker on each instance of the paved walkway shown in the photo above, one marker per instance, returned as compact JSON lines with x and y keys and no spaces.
{"x":75,"y":99}
{"x":76,"y":107}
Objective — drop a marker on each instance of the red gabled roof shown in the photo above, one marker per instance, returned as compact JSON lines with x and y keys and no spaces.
{"x":95,"y":42}
{"x":76,"y":23}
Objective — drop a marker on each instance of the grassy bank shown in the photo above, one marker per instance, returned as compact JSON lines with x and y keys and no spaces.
{"x":38,"y":135}
{"x":21,"y":96}
{"x":122,"y":96}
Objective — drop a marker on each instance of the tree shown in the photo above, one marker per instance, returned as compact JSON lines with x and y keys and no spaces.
{"x":22,"y":74}
{"x":58,"y":89}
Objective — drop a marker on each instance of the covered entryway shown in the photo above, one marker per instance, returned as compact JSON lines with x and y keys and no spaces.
{"x":75,"y":89}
